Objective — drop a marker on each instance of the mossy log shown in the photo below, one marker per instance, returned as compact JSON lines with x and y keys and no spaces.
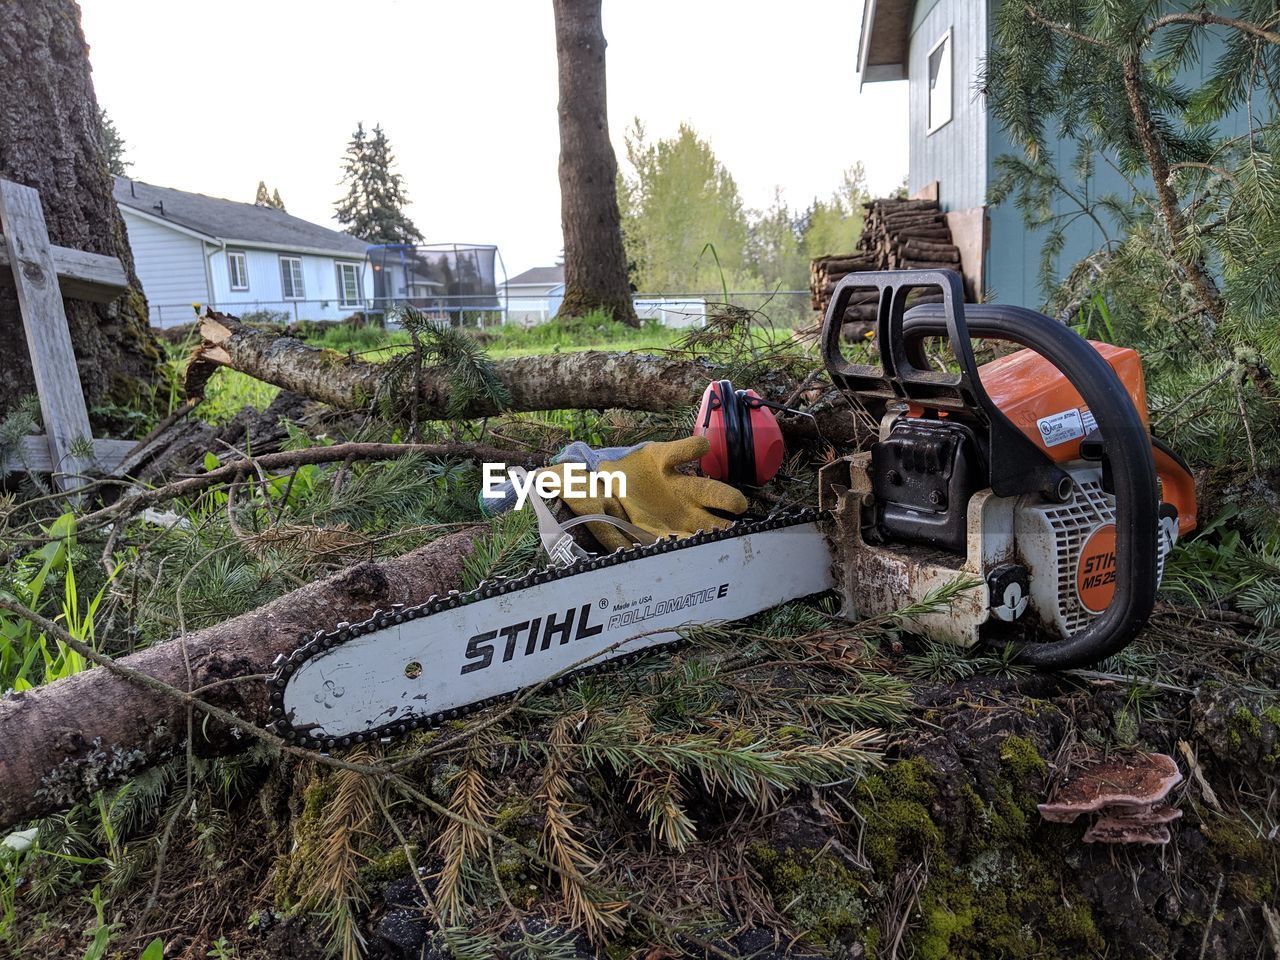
{"x":65,"y":740}
{"x":586,"y":380}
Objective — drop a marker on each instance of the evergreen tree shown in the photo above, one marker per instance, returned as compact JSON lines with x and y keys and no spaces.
{"x":595,"y":265}
{"x":1187,"y":269}
{"x":373,"y":208}
{"x":775,"y":247}
{"x":833,"y":226}
{"x":113,"y":145}
{"x":49,"y":142}
{"x":267,"y":198}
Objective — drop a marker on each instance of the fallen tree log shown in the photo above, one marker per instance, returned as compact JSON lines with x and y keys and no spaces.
{"x":67,"y":739}
{"x":587,"y":380}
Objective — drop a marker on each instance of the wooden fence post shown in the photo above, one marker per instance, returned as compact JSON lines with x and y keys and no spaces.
{"x":36,"y":266}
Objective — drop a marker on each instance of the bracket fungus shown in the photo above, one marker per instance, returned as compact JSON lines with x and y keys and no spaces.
{"x":1126,"y":793}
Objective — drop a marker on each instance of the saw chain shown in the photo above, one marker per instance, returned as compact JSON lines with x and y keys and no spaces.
{"x":323,"y":641}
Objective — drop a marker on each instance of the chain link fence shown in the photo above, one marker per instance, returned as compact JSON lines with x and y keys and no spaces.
{"x":781,"y":308}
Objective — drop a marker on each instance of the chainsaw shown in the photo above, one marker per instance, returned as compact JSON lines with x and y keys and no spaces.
{"x":1029,"y":489}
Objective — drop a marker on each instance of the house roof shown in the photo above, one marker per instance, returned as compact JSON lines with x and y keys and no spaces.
{"x":232,"y":222}
{"x":538,"y":276}
{"x":886,"y":33}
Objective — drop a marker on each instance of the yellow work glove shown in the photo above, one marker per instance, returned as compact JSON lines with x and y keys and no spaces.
{"x":659,"y":499}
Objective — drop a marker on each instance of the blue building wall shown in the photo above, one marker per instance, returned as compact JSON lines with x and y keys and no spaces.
{"x":1013,"y":258}
{"x":954,"y":154}
{"x":961,"y":156}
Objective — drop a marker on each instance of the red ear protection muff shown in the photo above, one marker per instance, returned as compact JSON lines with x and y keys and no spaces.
{"x":746,"y":442}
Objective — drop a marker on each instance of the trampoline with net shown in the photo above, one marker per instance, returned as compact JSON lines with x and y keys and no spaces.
{"x":454,"y":282}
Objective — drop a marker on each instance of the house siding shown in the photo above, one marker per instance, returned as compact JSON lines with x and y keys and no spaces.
{"x":961,"y":156}
{"x":170,"y":266}
{"x":955,"y":154}
{"x":319,"y":284}
{"x":528,"y":303}
{"x":1013,"y":259}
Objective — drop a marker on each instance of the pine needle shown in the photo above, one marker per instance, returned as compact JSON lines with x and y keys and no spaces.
{"x":472,"y":375}
{"x":659,"y":795}
{"x":330,"y":882}
{"x":563,"y":845}
{"x":460,"y":841}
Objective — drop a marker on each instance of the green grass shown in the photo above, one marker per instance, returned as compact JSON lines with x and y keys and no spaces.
{"x":230,"y":392}
{"x":593,"y":332}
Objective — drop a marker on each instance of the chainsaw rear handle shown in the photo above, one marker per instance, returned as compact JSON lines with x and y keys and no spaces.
{"x":1126,"y":445}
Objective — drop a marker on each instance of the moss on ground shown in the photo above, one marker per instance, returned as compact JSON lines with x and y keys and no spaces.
{"x":991,"y":888}
{"x":1020,"y":756}
{"x":895,"y":806}
{"x":287,"y":869}
{"x":819,"y":896}
{"x":1244,"y":856}
{"x":384,"y":868}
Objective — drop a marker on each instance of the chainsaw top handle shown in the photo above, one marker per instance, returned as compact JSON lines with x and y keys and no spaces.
{"x":905,"y":376}
{"x":1125,"y":440}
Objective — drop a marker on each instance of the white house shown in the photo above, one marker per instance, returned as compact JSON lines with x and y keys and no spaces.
{"x":238,"y":257}
{"x":535,"y":295}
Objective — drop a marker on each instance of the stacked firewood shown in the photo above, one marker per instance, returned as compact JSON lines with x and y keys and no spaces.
{"x":896,"y":235}
{"x":907,"y":235}
{"x":826,"y":272}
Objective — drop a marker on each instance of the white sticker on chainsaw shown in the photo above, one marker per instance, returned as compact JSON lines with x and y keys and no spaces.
{"x":1060,"y":427}
{"x":1090,"y":424}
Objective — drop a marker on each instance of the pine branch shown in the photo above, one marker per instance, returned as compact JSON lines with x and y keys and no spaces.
{"x":659,"y":796}
{"x":562,"y":842}
{"x":1204,"y":18}
{"x":330,"y":877}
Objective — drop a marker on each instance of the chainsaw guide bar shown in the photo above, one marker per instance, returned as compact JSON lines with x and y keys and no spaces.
{"x":400,"y":670}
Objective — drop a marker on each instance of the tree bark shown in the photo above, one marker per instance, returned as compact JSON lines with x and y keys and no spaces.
{"x":51,"y":139}
{"x":589,"y":380}
{"x":595,"y":264}
{"x":1192,"y":263}
{"x":95,"y":729}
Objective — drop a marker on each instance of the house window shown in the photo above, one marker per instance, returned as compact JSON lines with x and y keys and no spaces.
{"x":940,"y":83}
{"x":348,"y":285}
{"x":291,"y":278}
{"x":237,"y":266}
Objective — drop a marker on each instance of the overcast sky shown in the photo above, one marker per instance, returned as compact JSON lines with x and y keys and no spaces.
{"x":215,"y":97}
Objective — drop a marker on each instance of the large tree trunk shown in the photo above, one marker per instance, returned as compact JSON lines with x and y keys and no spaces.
{"x":586,"y":380}
{"x":595,"y":265}
{"x":51,"y":139}
{"x":92,"y":730}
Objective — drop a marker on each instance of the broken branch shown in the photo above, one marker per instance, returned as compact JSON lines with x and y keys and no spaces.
{"x":587,"y":380}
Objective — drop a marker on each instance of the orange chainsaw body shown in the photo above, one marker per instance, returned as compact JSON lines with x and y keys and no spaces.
{"x":1043,"y":404}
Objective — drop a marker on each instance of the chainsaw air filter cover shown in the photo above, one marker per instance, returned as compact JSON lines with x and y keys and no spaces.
{"x":746,"y":441}
{"x":1069,"y":549}
{"x":922,"y":476}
